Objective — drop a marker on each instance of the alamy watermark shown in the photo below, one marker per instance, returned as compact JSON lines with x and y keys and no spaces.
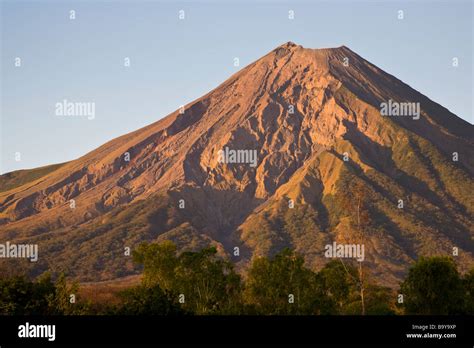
{"x":68,"y":108}
{"x":393,"y":108}
{"x":237,"y":156}
{"x":354,"y":251}
{"x":37,"y":331}
{"x":27,"y":251}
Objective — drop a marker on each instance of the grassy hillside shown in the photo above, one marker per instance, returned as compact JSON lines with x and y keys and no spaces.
{"x":18,"y":178}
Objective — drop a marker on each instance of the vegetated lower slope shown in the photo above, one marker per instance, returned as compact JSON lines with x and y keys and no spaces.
{"x":19,"y":178}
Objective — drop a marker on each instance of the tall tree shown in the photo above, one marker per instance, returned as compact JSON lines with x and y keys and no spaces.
{"x":433,"y":286}
{"x":356,"y":200}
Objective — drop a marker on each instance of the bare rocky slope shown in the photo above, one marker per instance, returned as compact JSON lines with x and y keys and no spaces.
{"x":303,"y":111}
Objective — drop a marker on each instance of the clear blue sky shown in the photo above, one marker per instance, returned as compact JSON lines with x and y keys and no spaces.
{"x":175,"y":61}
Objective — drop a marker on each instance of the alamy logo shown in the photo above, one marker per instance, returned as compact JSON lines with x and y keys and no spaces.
{"x":354,"y":251}
{"x":237,"y":156}
{"x":393,"y":108}
{"x":37,"y":331}
{"x":67,"y":108}
{"x":28,"y":251}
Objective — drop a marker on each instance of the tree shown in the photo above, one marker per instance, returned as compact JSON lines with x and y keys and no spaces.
{"x":16,"y":297}
{"x":341,"y":284}
{"x":282,"y":285}
{"x":65,"y":299}
{"x":356,"y":203}
{"x":433,"y":286}
{"x":209,"y":283}
{"x":159,"y":263}
{"x":468,"y":284}
{"x":151,"y":300}
{"x":379,"y":300}
{"x":20,"y":296}
{"x":338,"y":280}
{"x":204,"y":282}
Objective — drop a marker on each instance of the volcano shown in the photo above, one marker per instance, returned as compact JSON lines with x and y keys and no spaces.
{"x":311,"y":121}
